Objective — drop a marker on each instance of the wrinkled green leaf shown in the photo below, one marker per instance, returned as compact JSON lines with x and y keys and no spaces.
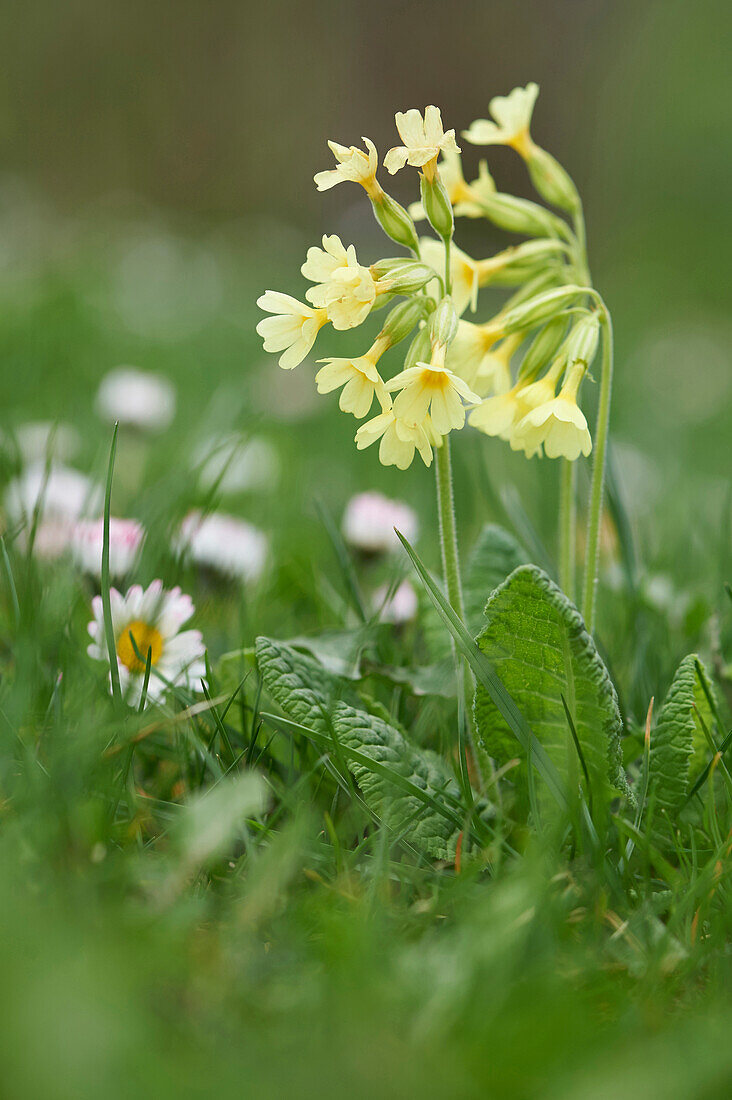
{"x":409,"y":789}
{"x":541,"y":651}
{"x":679,"y":747}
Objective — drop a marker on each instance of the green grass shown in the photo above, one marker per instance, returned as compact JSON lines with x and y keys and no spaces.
{"x":312,"y":951}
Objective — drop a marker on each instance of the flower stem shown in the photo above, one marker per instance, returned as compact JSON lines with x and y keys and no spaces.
{"x":448,"y":530}
{"x":567,"y":526}
{"x":594,"y":518}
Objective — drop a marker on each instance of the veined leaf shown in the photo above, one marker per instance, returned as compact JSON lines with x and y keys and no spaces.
{"x":678,"y":745}
{"x":541,"y":651}
{"x":409,"y":789}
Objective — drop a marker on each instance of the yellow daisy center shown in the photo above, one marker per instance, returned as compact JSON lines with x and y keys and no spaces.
{"x":146,"y":638}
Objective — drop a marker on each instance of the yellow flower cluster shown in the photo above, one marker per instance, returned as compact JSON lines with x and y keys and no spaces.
{"x":455,"y":371}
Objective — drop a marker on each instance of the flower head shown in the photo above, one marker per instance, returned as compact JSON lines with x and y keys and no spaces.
{"x":369,"y":521}
{"x":558,"y":424}
{"x":137,"y":399}
{"x":225,"y":544}
{"x":87,"y":541}
{"x":293,"y":328}
{"x":61,"y":495}
{"x":353,"y":165}
{"x":512,"y":115}
{"x":464,"y":197}
{"x":235,"y":463}
{"x":149,"y":621}
{"x":424,"y":139}
{"x":396,"y":607}
{"x":464,"y":271}
{"x":432,"y":387}
{"x":360,"y":380}
{"x":344,"y":288}
{"x":473,"y":355}
{"x":399,"y":439}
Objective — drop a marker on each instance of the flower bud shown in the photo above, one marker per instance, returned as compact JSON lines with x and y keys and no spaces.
{"x":401,"y":276}
{"x":583,"y":339}
{"x":553,"y":182}
{"x":402,"y":319}
{"x":394,"y":220}
{"x":544,"y":347}
{"x":516,"y":215}
{"x":437,"y":205}
{"x":444,"y":323}
{"x":419,"y":349}
{"x":540,"y":308}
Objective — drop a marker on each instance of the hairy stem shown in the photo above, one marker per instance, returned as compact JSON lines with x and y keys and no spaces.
{"x":594,"y":518}
{"x":567,"y":526}
{"x":448,"y":530}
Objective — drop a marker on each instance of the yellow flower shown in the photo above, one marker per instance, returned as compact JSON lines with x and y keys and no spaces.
{"x":424,"y":140}
{"x":344,"y":288}
{"x":465,"y":197}
{"x":465,"y":273}
{"x":499,"y":415}
{"x":431,"y":387}
{"x":558,"y":424}
{"x":293,"y":328}
{"x":512,"y":114}
{"x":474,"y":356}
{"x":399,"y":439}
{"x":354,"y":165}
{"x":359,"y":377}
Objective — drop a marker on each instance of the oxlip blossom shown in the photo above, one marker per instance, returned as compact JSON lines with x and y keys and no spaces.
{"x":400,"y":438}
{"x":464,"y":271}
{"x":369,"y":521}
{"x":424,"y":139}
{"x":398,"y":608}
{"x":359,"y":377}
{"x":474,"y":356}
{"x":511,"y":121}
{"x":464,"y":197}
{"x":559,"y":424}
{"x":499,"y":416}
{"x":344,"y":288}
{"x":225,"y":544}
{"x":137,"y":399}
{"x":432,"y":387}
{"x":153,"y":617}
{"x":292,"y":329}
{"x":352,"y":165}
{"x":87,"y":541}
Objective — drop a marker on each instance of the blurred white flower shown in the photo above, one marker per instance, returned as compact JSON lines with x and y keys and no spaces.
{"x":36,"y":440}
{"x":400,"y":607}
{"x":125,"y":540}
{"x":235,"y":464}
{"x":226,"y":544}
{"x":136,"y":398}
{"x":153,"y":617}
{"x":62,"y":496}
{"x":369,"y":521}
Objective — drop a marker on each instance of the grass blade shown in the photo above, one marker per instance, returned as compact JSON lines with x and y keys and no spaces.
{"x":106,"y":600}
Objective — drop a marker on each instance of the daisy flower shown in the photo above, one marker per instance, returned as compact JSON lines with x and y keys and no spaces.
{"x":344,"y":288}
{"x":559,"y":424}
{"x":399,"y":608}
{"x":399,"y":439}
{"x":153,"y":618}
{"x":352,"y":165}
{"x":87,"y":541}
{"x":292,"y":329}
{"x":369,"y":521}
{"x":137,"y":399}
{"x":424,"y":139}
{"x":235,"y":463}
{"x":512,"y":118}
{"x":61,"y":495}
{"x":35,"y":440}
{"x":225,"y":544}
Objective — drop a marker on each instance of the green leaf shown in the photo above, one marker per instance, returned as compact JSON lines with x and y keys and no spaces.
{"x":678,"y":744}
{"x":410,"y":790}
{"x":541,"y":651}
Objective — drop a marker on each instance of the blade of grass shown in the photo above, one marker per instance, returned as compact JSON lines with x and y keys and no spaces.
{"x":106,"y":599}
{"x":11,"y":583}
{"x":344,"y":560}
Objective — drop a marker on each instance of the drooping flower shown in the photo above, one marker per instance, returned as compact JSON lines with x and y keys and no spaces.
{"x":226,"y":544}
{"x":352,"y":165}
{"x":499,"y":416}
{"x":424,"y":139}
{"x":137,"y":399}
{"x":149,"y":621}
{"x":464,"y":197}
{"x":292,"y":329}
{"x":399,"y":439}
{"x":344,"y":288}
{"x":369,"y":521}
{"x":559,"y":424}
{"x":397,"y":608}
{"x":432,"y":388}
{"x":87,"y":541}
{"x":467,"y":274}
{"x":512,"y":115}
{"x":359,"y":377}
{"x":474,"y":356}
